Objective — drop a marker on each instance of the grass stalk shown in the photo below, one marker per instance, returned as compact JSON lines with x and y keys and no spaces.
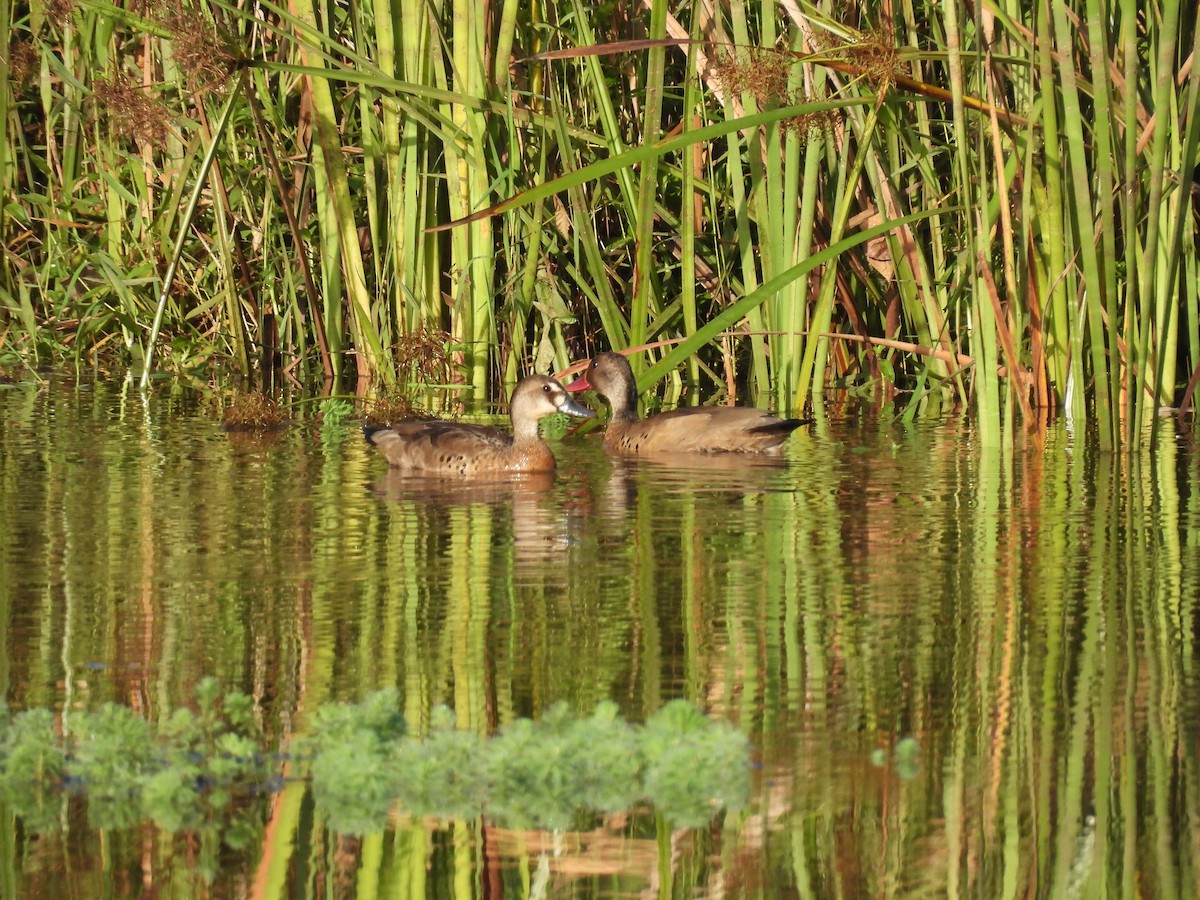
{"x":1154,"y":309}
{"x":1094,"y":301}
{"x":691,"y":209}
{"x":364,"y":330}
{"x":645,"y":301}
{"x":184,"y":225}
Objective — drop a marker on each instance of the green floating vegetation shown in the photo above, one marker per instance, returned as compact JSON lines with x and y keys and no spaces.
{"x":547,"y":773}
{"x":188,"y":777}
{"x":202,"y":769}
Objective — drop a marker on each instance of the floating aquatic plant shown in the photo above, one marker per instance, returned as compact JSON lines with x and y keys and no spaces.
{"x":209,"y":756}
{"x":443,"y":774}
{"x":112,"y":753}
{"x":195,"y":774}
{"x":32,"y":763}
{"x":695,"y":767}
{"x":354,"y":770}
{"x":542,"y":773}
{"x":904,"y":758}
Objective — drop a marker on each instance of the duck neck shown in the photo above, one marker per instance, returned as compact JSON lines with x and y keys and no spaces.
{"x":524,"y":430}
{"x":624,"y":405}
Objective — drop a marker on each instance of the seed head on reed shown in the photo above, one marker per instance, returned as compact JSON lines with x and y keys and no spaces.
{"x":132,"y":111}
{"x":22,"y":63}
{"x":391,"y":407}
{"x":803,"y":126}
{"x":762,"y":73}
{"x":879,"y":60}
{"x":423,"y":355}
{"x":765,"y":74}
{"x":199,"y":45}
{"x":59,"y":11}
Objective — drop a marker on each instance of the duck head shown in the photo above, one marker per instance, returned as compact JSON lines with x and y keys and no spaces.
{"x":611,"y":376}
{"x":538,"y":396}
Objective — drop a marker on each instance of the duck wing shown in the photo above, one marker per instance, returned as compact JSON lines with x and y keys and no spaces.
{"x":437,"y":446}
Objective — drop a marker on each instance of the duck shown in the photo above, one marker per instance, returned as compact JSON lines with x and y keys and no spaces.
{"x":439,"y":447}
{"x":704,"y":429}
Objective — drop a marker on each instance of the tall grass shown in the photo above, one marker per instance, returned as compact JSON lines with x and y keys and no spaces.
{"x":546,"y":183}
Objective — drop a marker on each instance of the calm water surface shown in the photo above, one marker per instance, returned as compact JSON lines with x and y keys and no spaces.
{"x":1026,"y":620}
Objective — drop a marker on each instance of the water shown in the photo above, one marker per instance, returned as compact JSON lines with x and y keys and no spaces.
{"x":964,"y":672}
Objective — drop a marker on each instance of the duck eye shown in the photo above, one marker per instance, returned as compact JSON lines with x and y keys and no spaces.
{"x":593,"y":365}
{"x":546,"y":388}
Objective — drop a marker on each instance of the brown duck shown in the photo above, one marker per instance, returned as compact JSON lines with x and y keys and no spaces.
{"x":455,"y":448}
{"x":706,"y":429}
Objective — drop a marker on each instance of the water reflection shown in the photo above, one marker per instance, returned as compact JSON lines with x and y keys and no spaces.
{"x":1026,"y":621}
{"x":522,"y":499}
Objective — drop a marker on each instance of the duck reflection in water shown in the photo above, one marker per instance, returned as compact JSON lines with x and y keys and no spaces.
{"x":522,"y":507}
{"x":695,"y":475}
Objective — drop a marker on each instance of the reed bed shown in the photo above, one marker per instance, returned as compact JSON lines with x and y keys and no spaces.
{"x":990,"y":206}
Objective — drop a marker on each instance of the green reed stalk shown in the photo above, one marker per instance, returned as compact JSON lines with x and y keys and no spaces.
{"x":1105,"y":163}
{"x":810,"y":372}
{"x":339,"y":212}
{"x":1182,"y":262}
{"x":416,"y":260}
{"x":984,"y":340}
{"x":185,"y":224}
{"x":733,"y":313}
{"x":1056,"y":314}
{"x":378,"y":146}
{"x":775,"y":205}
{"x":227,"y":280}
{"x":1085,"y":235}
{"x":1154,"y":308}
{"x":8,"y":161}
{"x":803,"y":181}
{"x":1129,"y":211}
{"x":644,"y":292}
{"x":690,"y":209}
{"x":606,"y":110}
{"x":472,"y":253}
{"x":758,"y":246}
{"x":592,"y":275}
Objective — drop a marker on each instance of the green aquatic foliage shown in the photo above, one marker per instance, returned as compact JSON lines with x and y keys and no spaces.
{"x":185,"y":778}
{"x":354,"y":770}
{"x":112,"y":754}
{"x":694,"y":767}
{"x":31,"y":761}
{"x":545,"y":773}
{"x":608,"y":760}
{"x":443,"y":774}
{"x":334,"y":416}
{"x":904,"y":758}
{"x":542,"y":773}
{"x":204,"y":765}
{"x":208,"y":758}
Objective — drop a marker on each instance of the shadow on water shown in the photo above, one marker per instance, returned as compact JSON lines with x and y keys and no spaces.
{"x":963,"y":672}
